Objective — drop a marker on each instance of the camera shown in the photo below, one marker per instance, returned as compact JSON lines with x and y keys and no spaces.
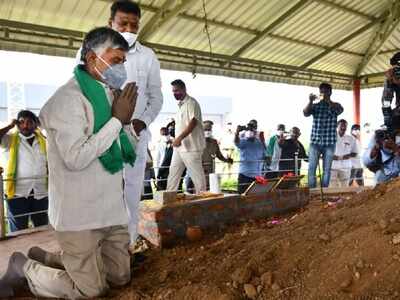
{"x":242,"y":128}
{"x":391,"y":118}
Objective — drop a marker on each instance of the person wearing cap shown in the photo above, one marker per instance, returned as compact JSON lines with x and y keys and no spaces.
{"x":356,"y":166}
{"x":211,"y":152}
{"x":25,"y":150}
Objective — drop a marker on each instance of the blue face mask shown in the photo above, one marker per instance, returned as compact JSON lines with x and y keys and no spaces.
{"x":114,"y":76}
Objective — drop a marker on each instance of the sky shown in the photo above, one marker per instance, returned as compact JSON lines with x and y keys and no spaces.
{"x":269,"y":103}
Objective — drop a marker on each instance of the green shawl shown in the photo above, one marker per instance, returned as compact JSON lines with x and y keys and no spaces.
{"x":114,"y":157}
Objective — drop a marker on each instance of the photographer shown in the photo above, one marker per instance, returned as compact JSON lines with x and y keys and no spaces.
{"x":383,"y":156}
{"x":391,"y":87}
{"x":251,"y":149}
{"x":323,"y":134}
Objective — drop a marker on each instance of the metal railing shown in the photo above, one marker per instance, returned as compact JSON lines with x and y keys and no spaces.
{"x":4,"y":218}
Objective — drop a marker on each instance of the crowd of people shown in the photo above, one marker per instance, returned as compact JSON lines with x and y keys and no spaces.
{"x":86,"y":158}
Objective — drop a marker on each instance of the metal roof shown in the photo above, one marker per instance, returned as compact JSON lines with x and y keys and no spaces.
{"x":291,"y":41}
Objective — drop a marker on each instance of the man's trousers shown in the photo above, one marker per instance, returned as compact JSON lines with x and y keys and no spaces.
{"x":134,"y":180}
{"x":90,"y":260}
{"x":193,"y":163}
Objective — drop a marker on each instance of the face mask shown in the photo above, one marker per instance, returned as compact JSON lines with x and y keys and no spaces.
{"x":165,"y":138}
{"x":397,"y":140}
{"x":129,"y":37}
{"x":171,"y":132}
{"x":179,"y":96}
{"x":208,"y":133}
{"x":321,"y":96}
{"x":279,"y":132}
{"x":249,"y":134}
{"x":114,"y":76}
{"x":356,"y":132}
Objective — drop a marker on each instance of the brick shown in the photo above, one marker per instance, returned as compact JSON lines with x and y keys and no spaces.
{"x":163,"y":225}
{"x":216,"y":208}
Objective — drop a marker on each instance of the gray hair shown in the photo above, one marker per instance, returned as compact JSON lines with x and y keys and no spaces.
{"x":100,"y":39}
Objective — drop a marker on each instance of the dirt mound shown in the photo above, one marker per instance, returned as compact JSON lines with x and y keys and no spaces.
{"x":347,"y":250}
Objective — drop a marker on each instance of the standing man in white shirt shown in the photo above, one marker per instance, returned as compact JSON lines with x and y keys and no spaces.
{"x":87,"y":149}
{"x":26,"y":158}
{"x":356,"y":166}
{"x":346,"y":149}
{"x":142,"y":67}
{"x":189,"y":141}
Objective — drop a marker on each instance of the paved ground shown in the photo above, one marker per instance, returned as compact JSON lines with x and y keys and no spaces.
{"x":23,"y":242}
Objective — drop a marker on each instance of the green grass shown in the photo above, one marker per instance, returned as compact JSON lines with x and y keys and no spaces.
{"x":229,"y":184}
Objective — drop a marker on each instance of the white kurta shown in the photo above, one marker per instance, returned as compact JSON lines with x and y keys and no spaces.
{"x":31,"y":162}
{"x":82,"y":194}
{"x":142,"y":67}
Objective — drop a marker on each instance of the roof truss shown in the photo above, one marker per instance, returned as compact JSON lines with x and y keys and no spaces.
{"x":381,"y":35}
{"x":271,"y":27}
{"x":164,"y":14}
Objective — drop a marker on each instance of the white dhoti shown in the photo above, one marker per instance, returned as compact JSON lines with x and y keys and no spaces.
{"x":134,"y":179}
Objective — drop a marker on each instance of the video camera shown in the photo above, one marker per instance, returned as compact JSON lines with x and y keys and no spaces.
{"x":391,"y":118}
{"x":249,"y":126}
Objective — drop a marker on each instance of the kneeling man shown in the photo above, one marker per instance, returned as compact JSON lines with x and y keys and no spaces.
{"x":86,"y":152}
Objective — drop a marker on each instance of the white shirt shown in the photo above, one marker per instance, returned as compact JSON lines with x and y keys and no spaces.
{"x":31,"y":162}
{"x":356,"y":161}
{"x":161,"y":148}
{"x":190,"y":109}
{"x":345,"y":145}
{"x":82,"y":194}
{"x":143,"y":67}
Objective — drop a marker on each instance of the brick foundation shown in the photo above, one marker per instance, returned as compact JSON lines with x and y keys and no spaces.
{"x":162,"y":225}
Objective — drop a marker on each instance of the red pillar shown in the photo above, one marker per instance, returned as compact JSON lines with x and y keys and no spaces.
{"x":356,"y":101}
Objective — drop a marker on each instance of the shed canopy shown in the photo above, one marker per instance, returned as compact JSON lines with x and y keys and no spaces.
{"x":290,"y":41}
